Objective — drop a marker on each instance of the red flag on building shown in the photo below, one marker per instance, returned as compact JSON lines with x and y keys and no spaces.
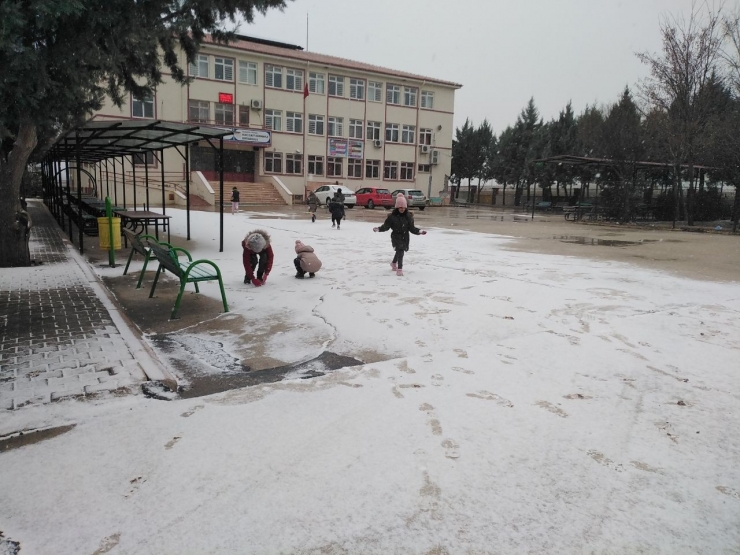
{"x":305,"y":89}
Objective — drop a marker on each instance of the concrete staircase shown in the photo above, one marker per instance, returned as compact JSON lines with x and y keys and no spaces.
{"x":250,"y":194}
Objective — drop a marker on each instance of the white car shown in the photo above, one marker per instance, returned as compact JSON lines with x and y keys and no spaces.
{"x":414,"y":197}
{"x":326,"y":192}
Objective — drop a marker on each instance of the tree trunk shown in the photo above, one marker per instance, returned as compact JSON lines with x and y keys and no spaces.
{"x":676,"y":181}
{"x":736,"y":209}
{"x":14,"y":221}
{"x":503,"y":200}
{"x":690,"y":195}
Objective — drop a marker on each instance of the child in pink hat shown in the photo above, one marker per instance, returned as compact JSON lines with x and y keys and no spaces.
{"x":401,"y":223}
{"x":305,"y":261}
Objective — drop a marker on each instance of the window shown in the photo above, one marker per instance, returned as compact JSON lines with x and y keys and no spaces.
{"x":408,"y":134}
{"x":357,"y":89}
{"x":336,"y":85}
{"x":248,"y":73}
{"x":354,"y":168}
{"x":144,"y":158}
{"x":391,"y":132}
{"x":293,"y":123}
{"x":316,"y":83}
{"x":425,"y":136}
{"x":425,"y":168}
{"x":407,"y":171}
{"x":224,"y":113}
{"x":199,"y":111}
{"x":294,"y":164}
{"x":427,"y":100}
{"x":273,"y":77}
{"x":355,"y":128}
{"x":274,"y":162}
{"x":409,"y":96}
{"x":223,"y":69}
{"x":315,"y":124}
{"x":390,"y":170}
{"x":274,"y":120}
{"x":333,"y":167}
{"x":374,"y":91}
{"x":372,"y":169}
{"x":143,"y":108}
{"x":373,"y":130}
{"x":200,"y":67}
{"x":294,"y":80}
{"x":335,"y":127}
{"x":393,"y":94}
{"x":244,"y":115}
{"x":316,"y":165}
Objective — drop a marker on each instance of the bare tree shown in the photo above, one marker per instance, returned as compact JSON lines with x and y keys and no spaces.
{"x":688,"y":61}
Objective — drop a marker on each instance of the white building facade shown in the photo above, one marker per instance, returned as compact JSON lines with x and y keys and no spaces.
{"x":302,"y":119}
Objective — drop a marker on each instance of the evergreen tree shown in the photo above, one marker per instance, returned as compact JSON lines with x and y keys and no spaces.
{"x":59,"y":59}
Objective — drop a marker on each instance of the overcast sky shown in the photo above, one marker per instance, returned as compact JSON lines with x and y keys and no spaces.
{"x":502,"y":51}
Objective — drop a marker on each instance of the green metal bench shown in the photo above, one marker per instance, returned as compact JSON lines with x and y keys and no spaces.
{"x":187,"y":272}
{"x":140,"y":244}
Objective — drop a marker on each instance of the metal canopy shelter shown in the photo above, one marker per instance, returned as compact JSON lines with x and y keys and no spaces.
{"x":101,"y":141}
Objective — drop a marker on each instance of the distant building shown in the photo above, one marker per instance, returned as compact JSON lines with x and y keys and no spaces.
{"x":302,"y":119}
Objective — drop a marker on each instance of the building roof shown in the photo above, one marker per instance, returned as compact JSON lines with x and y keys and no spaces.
{"x":289,"y":51}
{"x":99,"y":140}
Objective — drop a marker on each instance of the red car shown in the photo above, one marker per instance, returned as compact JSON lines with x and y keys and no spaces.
{"x":370,"y":197}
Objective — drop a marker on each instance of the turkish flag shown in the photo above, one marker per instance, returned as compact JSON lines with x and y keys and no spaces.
{"x":305,"y":90}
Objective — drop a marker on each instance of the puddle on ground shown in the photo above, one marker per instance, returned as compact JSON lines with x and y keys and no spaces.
{"x":579,"y":240}
{"x":29,"y":437}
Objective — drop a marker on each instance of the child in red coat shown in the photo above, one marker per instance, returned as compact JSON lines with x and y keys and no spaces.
{"x":257,"y":256}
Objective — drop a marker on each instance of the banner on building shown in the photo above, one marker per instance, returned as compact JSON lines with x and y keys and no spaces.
{"x":251,"y":136}
{"x":356,"y":149}
{"x":338,"y":148}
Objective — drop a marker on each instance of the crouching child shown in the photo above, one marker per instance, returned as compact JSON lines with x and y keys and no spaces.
{"x":257,"y":257}
{"x":305,"y":261}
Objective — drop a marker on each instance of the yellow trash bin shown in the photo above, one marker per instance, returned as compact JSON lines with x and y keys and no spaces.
{"x":104,"y":237}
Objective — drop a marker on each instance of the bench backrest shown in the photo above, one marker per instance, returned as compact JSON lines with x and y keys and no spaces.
{"x":166,"y":258}
{"x":136,"y":243}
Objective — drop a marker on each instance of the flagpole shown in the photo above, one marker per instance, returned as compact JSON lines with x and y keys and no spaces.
{"x":306,"y":31}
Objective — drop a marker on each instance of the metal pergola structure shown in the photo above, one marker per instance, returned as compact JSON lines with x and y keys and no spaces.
{"x":584,"y":161}
{"x":96,"y":142}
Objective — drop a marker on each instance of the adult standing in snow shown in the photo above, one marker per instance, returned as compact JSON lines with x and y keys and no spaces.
{"x":234,"y":200}
{"x":401,"y":223}
{"x":257,"y":257}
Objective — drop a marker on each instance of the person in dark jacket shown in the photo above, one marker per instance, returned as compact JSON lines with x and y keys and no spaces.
{"x":401,"y":223}
{"x":257,"y":256}
{"x":313,"y":205}
{"x":234,"y":200}
{"x":336,"y":207}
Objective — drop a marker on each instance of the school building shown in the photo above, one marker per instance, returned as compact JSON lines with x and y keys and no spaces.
{"x":299,"y":120}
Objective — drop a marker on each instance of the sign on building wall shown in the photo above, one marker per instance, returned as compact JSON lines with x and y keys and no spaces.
{"x":251,"y":136}
{"x":356,"y":149}
{"x":226,"y":98}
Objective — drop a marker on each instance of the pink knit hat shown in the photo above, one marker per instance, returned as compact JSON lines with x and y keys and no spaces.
{"x":401,"y":201}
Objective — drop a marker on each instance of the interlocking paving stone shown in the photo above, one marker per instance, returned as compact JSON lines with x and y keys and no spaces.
{"x":56,"y":337}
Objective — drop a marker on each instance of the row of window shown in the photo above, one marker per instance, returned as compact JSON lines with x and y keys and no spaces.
{"x":277,"y":77}
{"x":199,"y":112}
{"x":335,"y":167}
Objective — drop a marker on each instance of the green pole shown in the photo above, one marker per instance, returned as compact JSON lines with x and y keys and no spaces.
{"x":111,"y":250}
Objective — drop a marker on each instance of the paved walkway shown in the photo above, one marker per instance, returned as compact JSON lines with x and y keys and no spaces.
{"x":60,"y":336}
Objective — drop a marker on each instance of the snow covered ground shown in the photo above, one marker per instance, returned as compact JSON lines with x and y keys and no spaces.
{"x":523,"y":403}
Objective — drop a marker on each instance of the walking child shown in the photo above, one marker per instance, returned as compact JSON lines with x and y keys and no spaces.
{"x":305,"y":261}
{"x":257,"y":257}
{"x":401,"y":223}
{"x":336,"y":207}
{"x":313,"y":204}
{"x":234,"y":200}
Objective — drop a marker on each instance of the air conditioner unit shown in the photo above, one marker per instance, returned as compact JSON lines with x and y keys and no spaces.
{"x":435,"y":157}
{"x":377,"y":143}
{"x":256,"y":104}
{"x":425,"y":149}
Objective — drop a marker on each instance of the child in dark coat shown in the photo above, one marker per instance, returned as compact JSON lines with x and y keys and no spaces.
{"x":401,"y":223}
{"x":305,"y":261}
{"x":336,"y":207}
{"x":257,"y":256}
{"x":313,"y":205}
{"x":234,"y":200}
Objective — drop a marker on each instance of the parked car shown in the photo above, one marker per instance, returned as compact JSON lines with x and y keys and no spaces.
{"x":326,"y":192}
{"x":414,"y":197}
{"x":370,"y":197}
